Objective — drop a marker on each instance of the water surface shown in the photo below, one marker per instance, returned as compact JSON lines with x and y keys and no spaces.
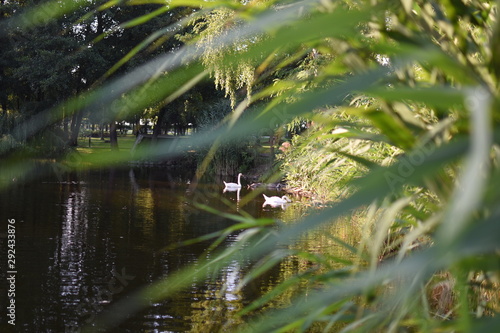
{"x":85,"y":240}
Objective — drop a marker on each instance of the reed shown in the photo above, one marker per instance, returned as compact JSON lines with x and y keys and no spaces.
{"x":404,"y":97}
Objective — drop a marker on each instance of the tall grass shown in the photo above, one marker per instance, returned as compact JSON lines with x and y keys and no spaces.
{"x":422,"y":78}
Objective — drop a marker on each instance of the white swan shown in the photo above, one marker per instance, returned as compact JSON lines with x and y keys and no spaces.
{"x":276,"y":200}
{"x":234,"y":186}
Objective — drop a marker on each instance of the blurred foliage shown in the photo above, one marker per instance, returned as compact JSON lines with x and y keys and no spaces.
{"x":404,"y":97}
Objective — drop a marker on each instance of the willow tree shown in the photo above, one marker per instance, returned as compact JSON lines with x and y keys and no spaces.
{"x":206,"y":32}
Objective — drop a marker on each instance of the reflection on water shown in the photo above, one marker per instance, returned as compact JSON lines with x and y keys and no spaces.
{"x":90,"y":239}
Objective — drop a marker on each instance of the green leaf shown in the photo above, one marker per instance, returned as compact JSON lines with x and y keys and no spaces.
{"x":434,"y":97}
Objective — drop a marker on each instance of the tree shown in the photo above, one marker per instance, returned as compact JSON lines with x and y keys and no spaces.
{"x":73,"y":54}
{"x":206,"y":30}
{"x":52,"y":63}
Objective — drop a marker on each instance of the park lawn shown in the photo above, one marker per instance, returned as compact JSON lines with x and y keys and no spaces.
{"x":100,"y":153}
{"x":125,"y":143}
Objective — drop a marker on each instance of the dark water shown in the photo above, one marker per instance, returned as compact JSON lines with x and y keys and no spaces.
{"x":86,"y":240}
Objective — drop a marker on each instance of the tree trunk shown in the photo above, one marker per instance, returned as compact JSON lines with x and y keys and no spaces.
{"x":4,"y":106}
{"x":65,"y":126}
{"x":113,"y":136}
{"x":157,"y":129}
{"x":137,"y":125}
{"x":76,"y":121}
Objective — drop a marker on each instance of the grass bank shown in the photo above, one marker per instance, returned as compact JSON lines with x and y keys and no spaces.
{"x":92,"y":145}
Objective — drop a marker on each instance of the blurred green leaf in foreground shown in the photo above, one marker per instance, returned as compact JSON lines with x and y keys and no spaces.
{"x":399,"y":104}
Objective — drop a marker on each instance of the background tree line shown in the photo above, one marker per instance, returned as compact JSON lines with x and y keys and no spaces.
{"x":45,"y":65}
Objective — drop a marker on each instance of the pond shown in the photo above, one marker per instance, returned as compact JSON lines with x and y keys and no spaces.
{"x":85,"y":240}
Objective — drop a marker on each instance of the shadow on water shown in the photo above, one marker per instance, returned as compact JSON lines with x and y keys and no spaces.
{"x":88,"y":239}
